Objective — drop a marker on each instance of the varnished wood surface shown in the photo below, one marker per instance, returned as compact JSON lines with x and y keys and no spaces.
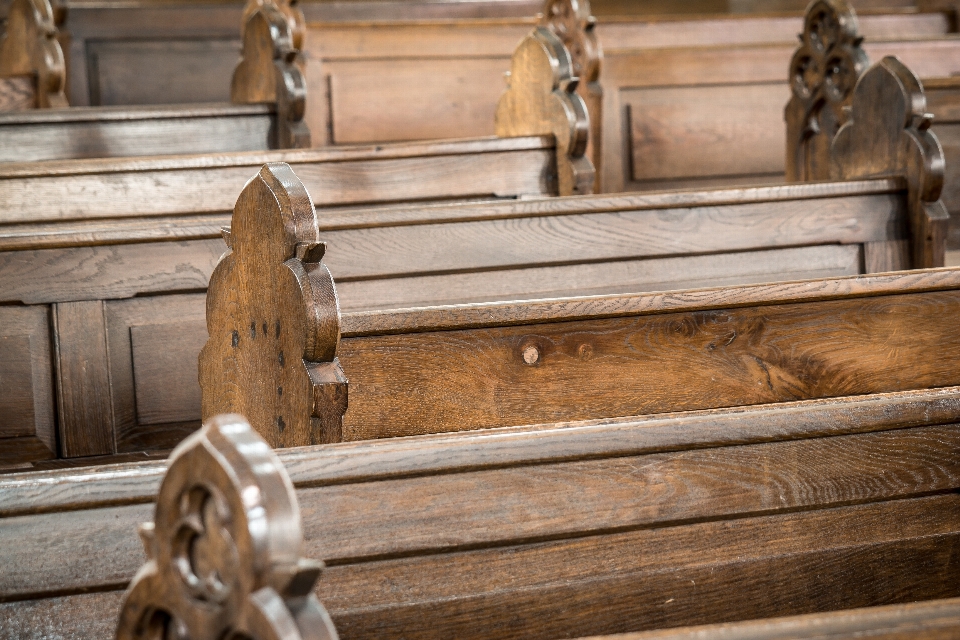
{"x":535,"y":539}
{"x":96,"y":132}
{"x":135,"y":483}
{"x":934,"y":620}
{"x":82,"y":189}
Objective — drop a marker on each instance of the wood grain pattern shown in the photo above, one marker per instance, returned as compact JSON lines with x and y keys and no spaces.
{"x":156,"y":395}
{"x":629,"y":366}
{"x":108,"y":272}
{"x":28,"y":141}
{"x":27,"y":430}
{"x":922,"y":620}
{"x":17,"y":94}
{"x":83,"y":380}
{"x":684,"y":132}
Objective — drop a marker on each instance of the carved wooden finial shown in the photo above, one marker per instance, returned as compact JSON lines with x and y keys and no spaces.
{"x":224,"y":549}
{"x":823,"y":73}
{"x":541,"y":100}
{"x":268,"y":74}
{"x":29,"y":48}
{"x":573,"y":22}
{"x":289,"y":8}
{"x":888,"y":134}
{"x":274,"y":319}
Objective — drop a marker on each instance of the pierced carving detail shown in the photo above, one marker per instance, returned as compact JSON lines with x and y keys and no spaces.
{"x":274,"y":319}
{"x":541,"y":99}
{"x":269,"y":73}
{"x":224,"y":549}
{"x":823,"y":73}
{"x":888,"y":134}
{"x":29,"y":48}
{"x":572,"y":22}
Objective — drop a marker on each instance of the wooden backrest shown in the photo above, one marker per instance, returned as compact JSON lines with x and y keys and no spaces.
{"x":32,"y":70}
{"x":275,"y":350}
{"x":556,"y":530}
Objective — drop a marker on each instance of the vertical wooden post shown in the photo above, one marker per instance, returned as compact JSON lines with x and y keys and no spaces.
{"x":274,"y":319}
{"x":29,"y":49}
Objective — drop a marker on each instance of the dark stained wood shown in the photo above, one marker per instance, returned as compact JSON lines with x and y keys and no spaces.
{"x":27,"y":408}
{"x":237,"y":567}
{"x":83,"y":385}
{"x":922,"y":620}
{"x":275,"y":247}
{"x":556,"y":539}
{"x":521,"y":251}
{"x":29,"y":48}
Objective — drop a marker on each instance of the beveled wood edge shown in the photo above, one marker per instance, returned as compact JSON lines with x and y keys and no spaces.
{"x":85,"y":233}
{"x":489,"y":314}
{"x":334,"y":220}
{"x":132,"y":113}
{"x":51,"y":235}
{"x":852,"y":623}
{"x":625,"y":52}
{"x":367,"y":461}
{"x":465,"y":146}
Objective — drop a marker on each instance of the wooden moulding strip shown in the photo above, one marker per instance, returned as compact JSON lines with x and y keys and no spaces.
{"x":255,"y":159}
{"x":115,"y":114}
{"x":334,"y":220}
{"x":367,"y":461}
{"x":479,"y":315}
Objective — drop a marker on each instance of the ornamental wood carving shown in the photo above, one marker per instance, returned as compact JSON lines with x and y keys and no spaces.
{"x":888,"y":134}
{"x":273,"y":319}
{"x":29,"y":48}
{"x":573,"y":22}
{"x":541,"y":99}
{"x":268,"y":74}
{"x":823,"y":73}
{"x":290,"y":9}
{"x":224,"y":549}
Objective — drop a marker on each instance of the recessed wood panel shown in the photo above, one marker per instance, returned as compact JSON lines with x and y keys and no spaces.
{"x":414,"y":99}
{"x":707,"y":132}
{"x":163,"y":357}
{"x":180,"y":70}
{"x":26,"y":385}
{"x":155,"y":343}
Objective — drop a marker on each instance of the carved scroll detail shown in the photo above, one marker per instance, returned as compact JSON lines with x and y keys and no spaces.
{"x":823,"y":73}
{"x":541,"y":99}
{"x":888,"y":135}
{"x":30,"y":48}
{"x":274,"y":319}
{"x":268,"y":73}
{"x":224,"y":549}
{"x":573,"y":23}
{"x":289,"y":8}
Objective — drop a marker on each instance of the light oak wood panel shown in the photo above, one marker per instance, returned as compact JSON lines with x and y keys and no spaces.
{"x":706,"y":131}
{"x":663,"y":274}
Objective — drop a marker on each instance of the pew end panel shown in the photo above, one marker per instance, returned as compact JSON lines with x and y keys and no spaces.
{"x":541,"y":100}
{"x":224,"y":551}
{"x":887,"y":133}
{"x":31,"y":55}
{"x":272,"y":309}
{"x":268,"y":74}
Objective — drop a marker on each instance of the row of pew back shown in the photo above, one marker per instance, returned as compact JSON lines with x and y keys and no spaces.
{"x":547,"y":531}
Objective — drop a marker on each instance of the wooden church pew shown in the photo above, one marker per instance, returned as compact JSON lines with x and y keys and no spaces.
{"x":536,"y":532}
{"x":267,"y":110}
{"x":112,"y":258}
{"x":142,"y":282}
